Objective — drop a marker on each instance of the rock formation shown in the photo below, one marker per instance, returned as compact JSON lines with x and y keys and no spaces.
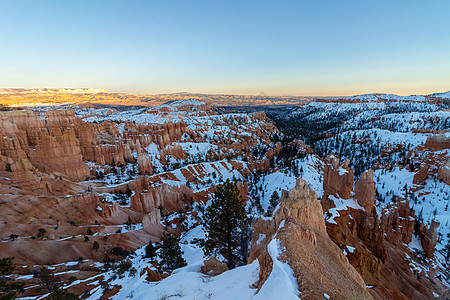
{"x":32,"y":145}
{"x":337,"y":177}
{"x":213,"y":267}
{"x":318,"y":264}
{"x":151,"y":220}
{"x":374,"y":246}
{"x":302,"y":148}
{"x":145,"y":166}
{"x":365,"y":190}
{"x":444,"y":173}
{"x":428,"y":238}
{"x":300,"y":203}
{"x":421,"y":174}
{"x":438,"y":142}
{"x":147,"y":197}
{"x":397,"y":221}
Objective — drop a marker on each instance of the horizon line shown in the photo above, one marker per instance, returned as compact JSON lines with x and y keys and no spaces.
{"x":227,"y":94}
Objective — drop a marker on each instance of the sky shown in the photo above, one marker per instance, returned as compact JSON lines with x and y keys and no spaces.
{"x":308,"y":48}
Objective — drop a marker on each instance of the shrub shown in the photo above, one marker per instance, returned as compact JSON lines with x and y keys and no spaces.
{"x":41,"y":232}
{"x":95,"y":246}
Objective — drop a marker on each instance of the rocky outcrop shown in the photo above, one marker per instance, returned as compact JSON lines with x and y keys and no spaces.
{"x":32,"y":146}
{"x":444,"y":173}
{"x":397,"y":221}
{"x":375,"y":246}
{"x":213,"y":267}
{"x":151,"y":220}
{"x":360,"y":230}
{"x":438,"y":142}
{"x":109,"y":211}
{"x":145,"y":166}
{"x":317,"y":263}
{"x":243,"y":189}
{"x":300,"y":203}
{"x":338,"y":177}
{"x":148,"y":197}
{"x":365,"y":189}
{"x":428,"y":238}
{"x":421,"y":174}
{"x":301,"y":147}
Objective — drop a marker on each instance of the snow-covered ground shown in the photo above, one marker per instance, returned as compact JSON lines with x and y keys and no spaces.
{"x":432,"y":202}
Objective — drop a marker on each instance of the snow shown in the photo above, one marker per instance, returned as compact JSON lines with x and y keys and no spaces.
{"x":445,"y":95}
{"x":341,"y":204}
{"x":342,"y":171}
{"x":281,"y":283}
{"x":351,"y":249}
{"x":432,"y":200}
{"x":188,"y":282}
{"x":261,"y":237}
{"x":380,"y":97}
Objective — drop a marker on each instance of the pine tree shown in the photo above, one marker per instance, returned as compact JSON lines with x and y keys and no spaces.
{"x":273,"y":202}
{"x":50,"y":282}
{"x":223,"y":221}
{"x":150,"y":251}
{"x":170,"y":254}
{"x":8,"y":290}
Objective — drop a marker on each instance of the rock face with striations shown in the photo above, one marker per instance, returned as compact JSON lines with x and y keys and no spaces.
{"x":300,"y":203}
{"x":145,"y":166}
{"x":151,"y":220}
{"x":317,"y":263}
{"x":33,"y":145}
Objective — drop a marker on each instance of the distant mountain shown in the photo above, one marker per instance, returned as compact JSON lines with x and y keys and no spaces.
{"x":46,"y":96}
{"x":445,"y":95}
{"x":51,"y":91}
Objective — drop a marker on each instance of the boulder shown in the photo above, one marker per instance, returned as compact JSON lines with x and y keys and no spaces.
{"x":213,"y":267}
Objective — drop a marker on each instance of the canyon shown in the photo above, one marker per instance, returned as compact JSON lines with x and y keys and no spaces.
{"x":362,"y":212}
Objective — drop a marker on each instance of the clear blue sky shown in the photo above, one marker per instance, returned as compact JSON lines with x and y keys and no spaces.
{"x":298,"y":47}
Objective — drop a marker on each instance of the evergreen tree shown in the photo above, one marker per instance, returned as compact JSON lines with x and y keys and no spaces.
{"x":223,"y":221}
{"x":96,"y":246}
{"x":8,"y":290}
{"x":150,"y":251}
{"x":50,"y":282}
{"x":273,"y":202}
{"x":170,"y":254}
